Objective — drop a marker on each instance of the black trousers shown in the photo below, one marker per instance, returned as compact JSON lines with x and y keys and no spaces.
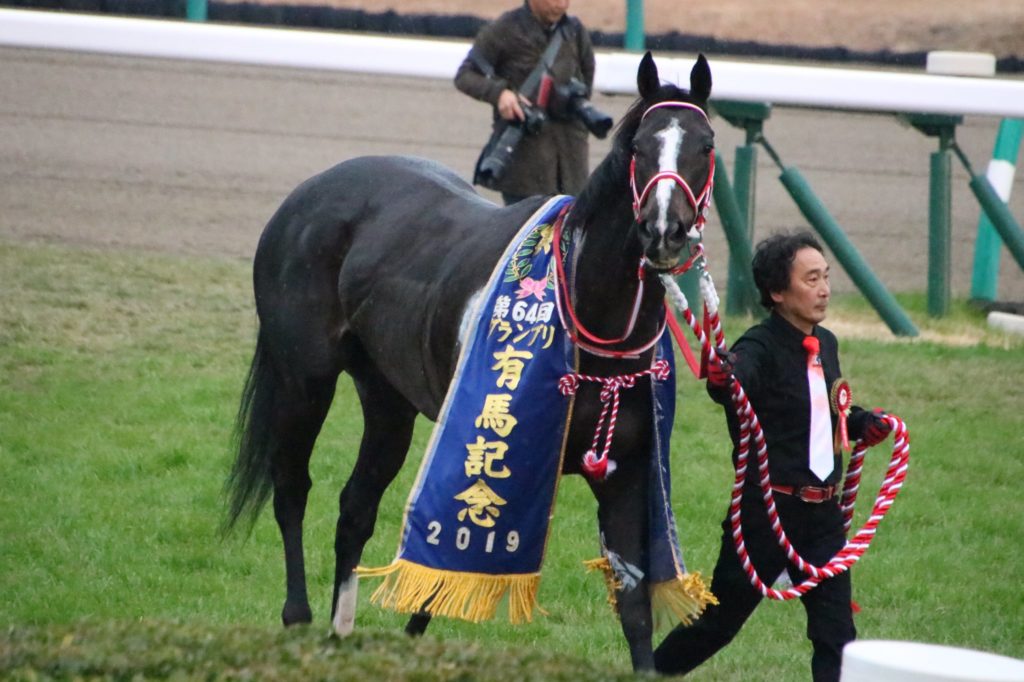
{"x":816,"y":532}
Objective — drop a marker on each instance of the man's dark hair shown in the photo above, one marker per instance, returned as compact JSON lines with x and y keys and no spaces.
{"x":773,"y":262}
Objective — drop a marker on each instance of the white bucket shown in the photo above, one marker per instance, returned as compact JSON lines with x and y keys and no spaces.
{"x":888,"y":661}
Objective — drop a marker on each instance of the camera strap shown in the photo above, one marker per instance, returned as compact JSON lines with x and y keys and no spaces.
{"x":531,"y":86}
{"x":480,"y":63}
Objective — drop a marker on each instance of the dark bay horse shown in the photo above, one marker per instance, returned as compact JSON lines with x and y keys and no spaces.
{"x":369,"y":268}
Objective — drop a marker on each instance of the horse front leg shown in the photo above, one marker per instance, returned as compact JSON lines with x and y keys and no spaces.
{"x":623,"y":521}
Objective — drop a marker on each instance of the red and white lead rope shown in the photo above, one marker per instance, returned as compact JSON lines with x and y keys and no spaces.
{"x":750,"y":429}
{"x":599,"y":466}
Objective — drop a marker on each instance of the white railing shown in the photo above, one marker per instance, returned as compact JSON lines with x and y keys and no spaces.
{"x":830,"y":88}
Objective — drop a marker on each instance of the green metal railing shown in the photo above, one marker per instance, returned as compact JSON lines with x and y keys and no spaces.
{"x":987,"y":245}
{"x":736,"y":210}
{"x":943,"y":128}
{"x":735,"y":204}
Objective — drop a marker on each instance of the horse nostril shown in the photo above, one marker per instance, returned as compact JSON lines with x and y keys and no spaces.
{"x":678,"y":234}
{"x":647,"y":231}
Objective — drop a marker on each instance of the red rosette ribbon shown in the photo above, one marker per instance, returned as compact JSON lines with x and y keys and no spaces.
{"x":841,"y":398}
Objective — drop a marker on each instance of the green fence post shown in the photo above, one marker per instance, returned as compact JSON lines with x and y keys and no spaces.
{"x":999,"y":216}
{"x":741,"y":280}
{"x":939,"y":233}
{"x":195,"y":10}
{"x":943,"y":127}
{"x":846,"y":253}
{"x":635,"y":26}
{"x":985,"y":277}
{"x":745,"y":183}
{"x":994,"y":208}
{"x":750,"y":116}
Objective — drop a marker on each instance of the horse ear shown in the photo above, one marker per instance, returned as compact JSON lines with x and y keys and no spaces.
{"x":700,"y":80}
{"x":647,"y":82}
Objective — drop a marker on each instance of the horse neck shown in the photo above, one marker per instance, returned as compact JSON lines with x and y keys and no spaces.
{"x":606,"y":273}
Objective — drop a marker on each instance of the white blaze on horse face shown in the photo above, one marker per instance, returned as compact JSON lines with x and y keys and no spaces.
{"x":671,"y":137}
{"x":345,"y":613}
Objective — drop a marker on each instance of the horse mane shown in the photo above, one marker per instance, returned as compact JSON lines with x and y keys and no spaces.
{"x":613,"y":172}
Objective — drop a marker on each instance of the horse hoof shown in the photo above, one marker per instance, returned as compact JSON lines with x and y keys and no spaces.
{"x":296,"y":614}
{"x":417,"y":624}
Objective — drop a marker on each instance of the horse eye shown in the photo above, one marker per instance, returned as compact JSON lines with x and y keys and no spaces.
{"x":708,"y":148}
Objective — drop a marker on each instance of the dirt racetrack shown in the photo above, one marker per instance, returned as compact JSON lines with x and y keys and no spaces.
{"x":194,"y":157}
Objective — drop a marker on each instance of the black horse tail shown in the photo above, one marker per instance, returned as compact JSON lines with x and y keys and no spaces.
{"x":249,"y":483}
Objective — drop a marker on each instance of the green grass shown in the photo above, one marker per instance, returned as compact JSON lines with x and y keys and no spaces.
{"x":184,"y":650}
{"x":120,"y":374}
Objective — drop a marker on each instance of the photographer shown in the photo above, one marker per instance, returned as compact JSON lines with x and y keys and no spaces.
{"x":541,"y":116}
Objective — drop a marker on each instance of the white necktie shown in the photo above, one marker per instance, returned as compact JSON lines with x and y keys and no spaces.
{"x":820,"y":446}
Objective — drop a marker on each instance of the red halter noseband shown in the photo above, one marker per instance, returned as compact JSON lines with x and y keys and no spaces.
{"x":698,"y":202}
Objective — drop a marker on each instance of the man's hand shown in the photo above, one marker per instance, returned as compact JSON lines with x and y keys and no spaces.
{"x":720,"y":375}
{"x":508,"y":106}
{"x":876,"y":427}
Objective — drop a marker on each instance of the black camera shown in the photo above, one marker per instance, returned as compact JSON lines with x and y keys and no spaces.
{"x":573,"y":100}
{"x":567,"y":103}
{"x":495,"y":158}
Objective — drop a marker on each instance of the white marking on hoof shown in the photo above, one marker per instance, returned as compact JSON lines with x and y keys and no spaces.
{"x":345,"y":613}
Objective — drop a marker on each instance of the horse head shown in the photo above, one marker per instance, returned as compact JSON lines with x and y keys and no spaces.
{"x":672,"y":164}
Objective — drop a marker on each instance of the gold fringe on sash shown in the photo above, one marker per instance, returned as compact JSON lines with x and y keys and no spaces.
{"x":411,"y":588}
{"x":610,"y":581}
{"x":680,"y":600}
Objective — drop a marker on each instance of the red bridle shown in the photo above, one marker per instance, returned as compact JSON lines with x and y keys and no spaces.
{"x":592,"y":342}
{"x":574,"y":327}
{"x":699,"y":202}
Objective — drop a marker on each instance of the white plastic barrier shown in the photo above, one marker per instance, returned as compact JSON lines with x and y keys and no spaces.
{"x":865,"y":90}
{"x":890,"y":661}
{"x":1007,"y":322}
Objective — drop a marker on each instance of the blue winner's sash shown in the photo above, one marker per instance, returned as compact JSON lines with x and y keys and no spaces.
{"x":477,"y":519}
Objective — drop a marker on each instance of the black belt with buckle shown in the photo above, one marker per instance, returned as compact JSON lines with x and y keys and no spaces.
{"x":808,"y":493}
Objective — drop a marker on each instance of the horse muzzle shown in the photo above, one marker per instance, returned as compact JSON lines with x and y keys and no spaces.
{"x":662,"y":248}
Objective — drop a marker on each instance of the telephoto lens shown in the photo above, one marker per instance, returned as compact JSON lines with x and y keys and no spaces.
{"x":597,"y":122}
{"x":493,"y":166}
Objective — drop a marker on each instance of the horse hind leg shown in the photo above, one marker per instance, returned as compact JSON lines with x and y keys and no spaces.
{"x":281,"y":412}
{"x":387,"y":432}
{"x":297,"y":424}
